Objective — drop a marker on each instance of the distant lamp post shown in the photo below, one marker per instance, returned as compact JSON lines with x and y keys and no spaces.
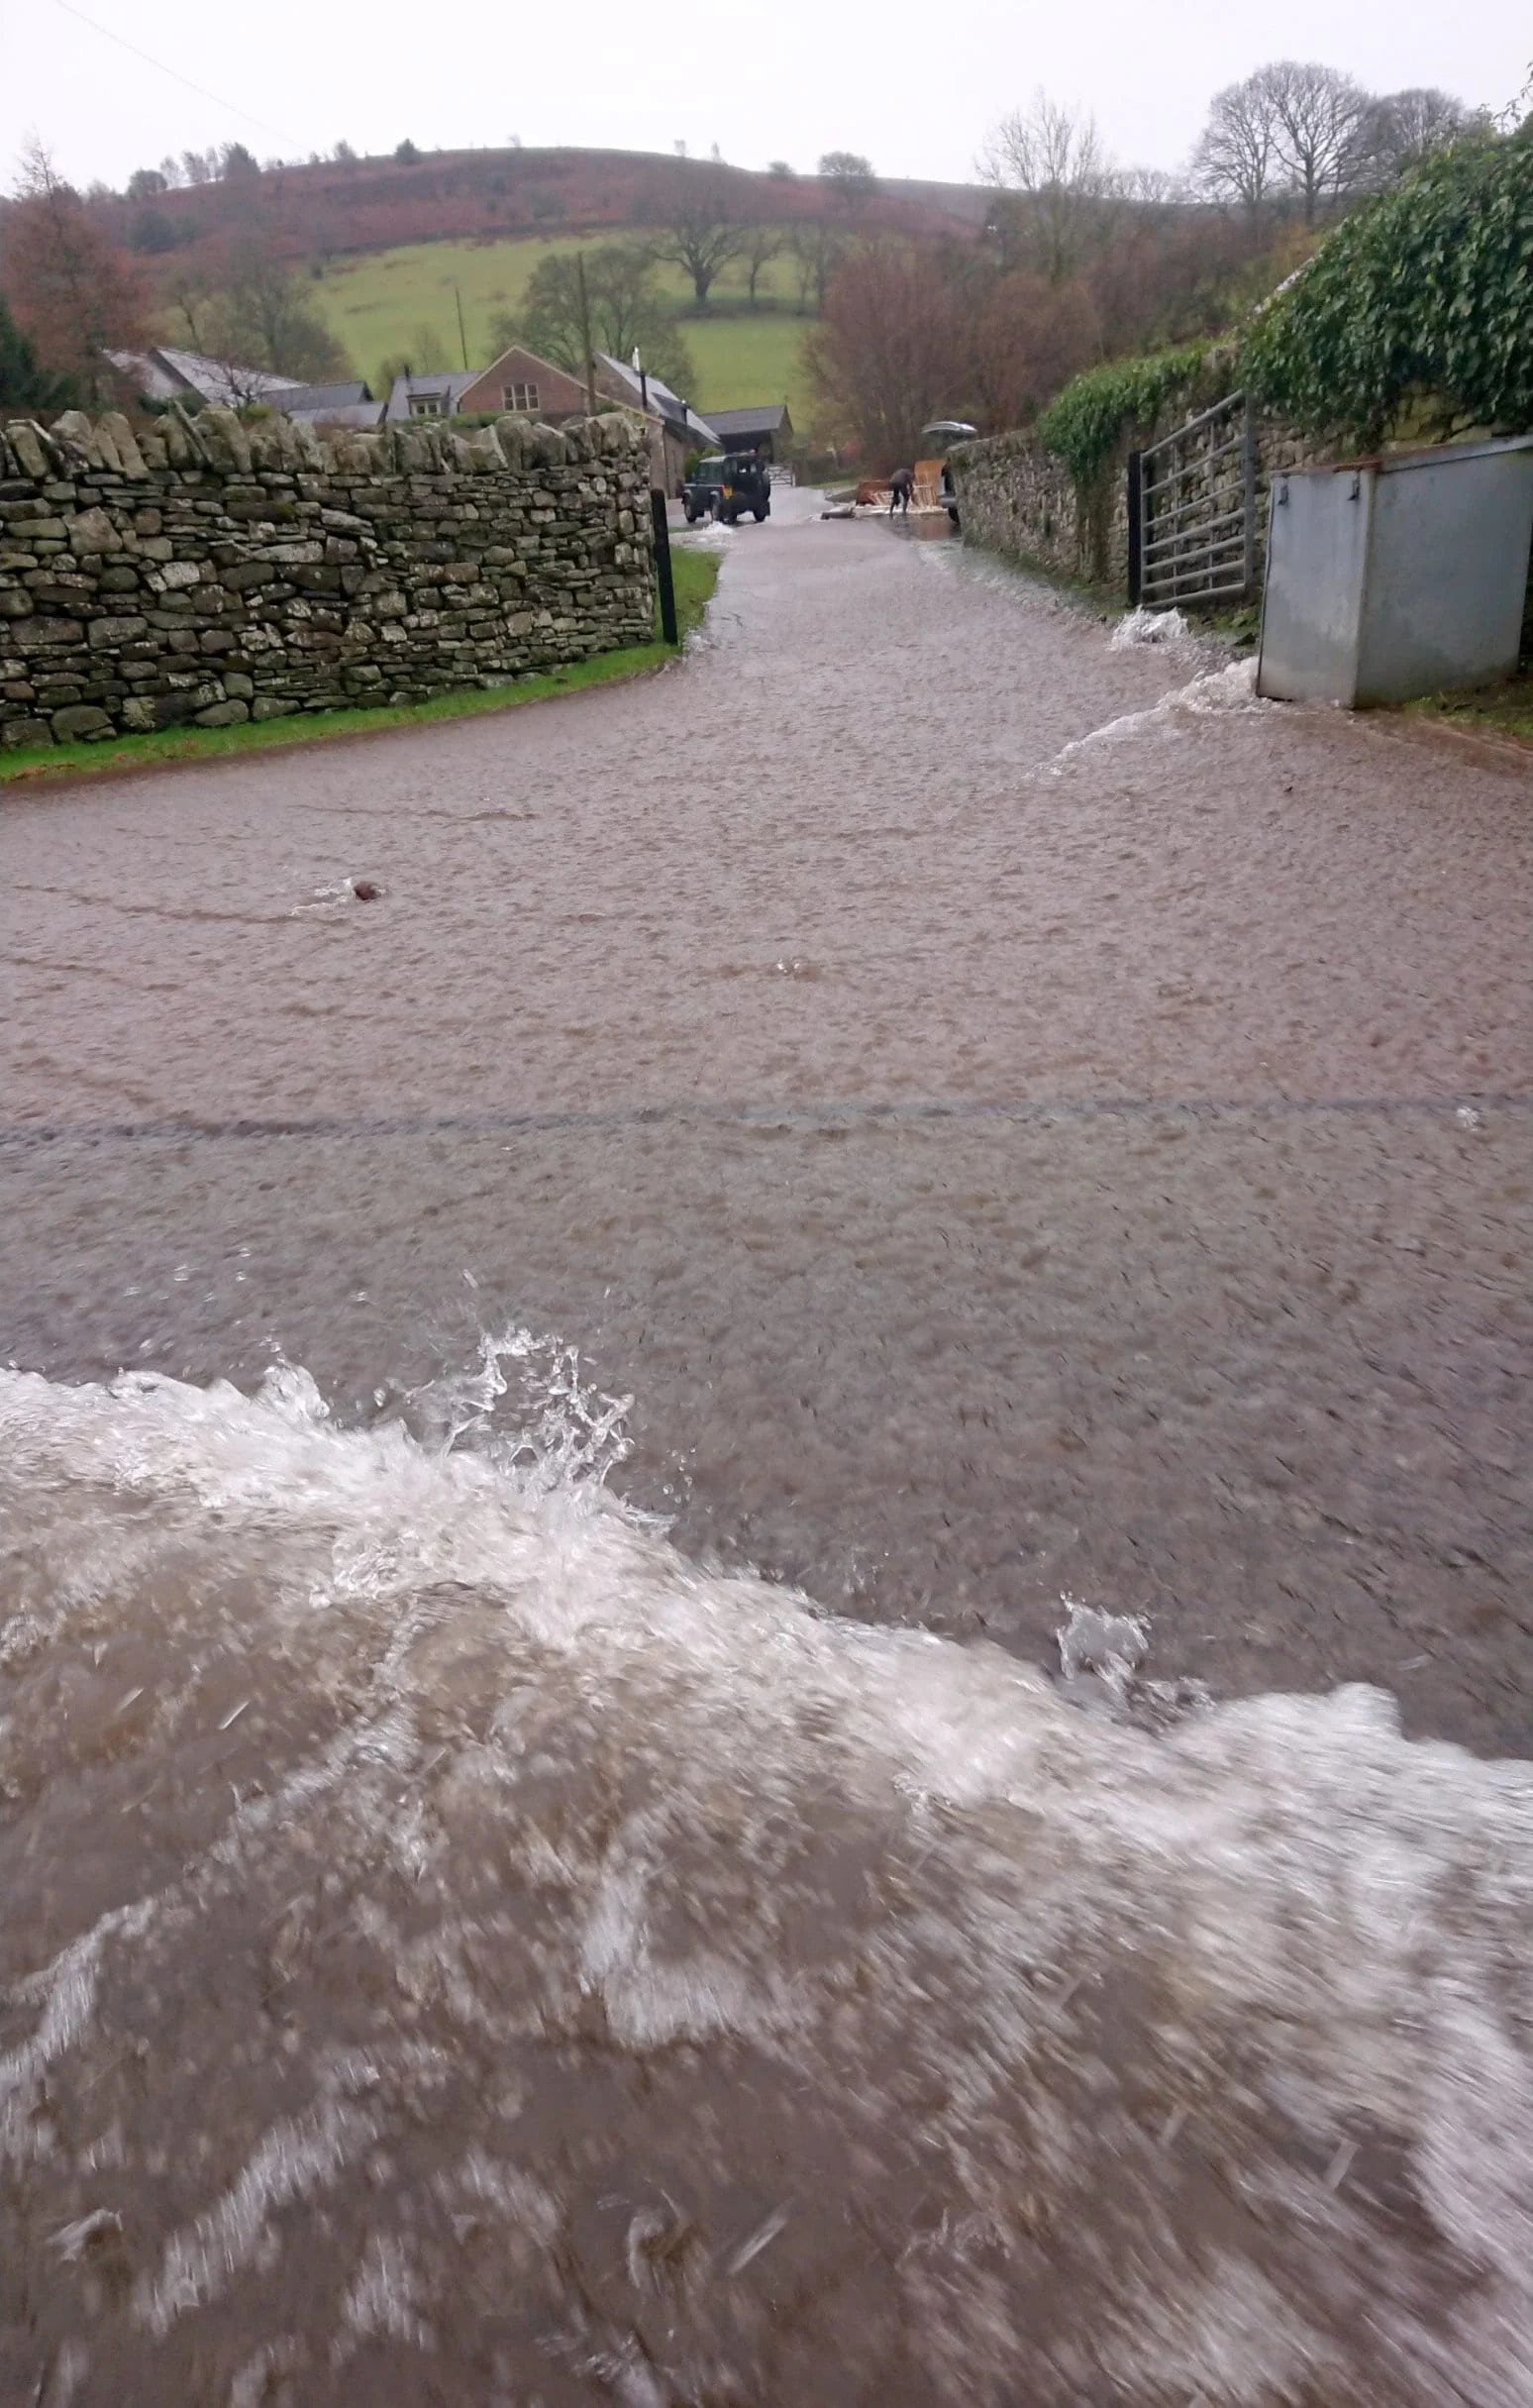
{"x":638,"y":367}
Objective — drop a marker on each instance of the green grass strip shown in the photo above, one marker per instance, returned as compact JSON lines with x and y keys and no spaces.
{"x":697,"y":575}
{"x":1494,"y":710}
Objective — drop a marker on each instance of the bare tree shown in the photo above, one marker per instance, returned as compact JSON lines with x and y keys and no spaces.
{"x":619,"y":307}
{"x":75,"y":294}
{"x":761,"y":244}
{"x":1405,"y":128}
{"x":703,"y":235}
{"x":1235,"y":159}
{"x":1027,"y":337}
{"x":1150,"y":187}
{"x":889,"y":351}
{"x":260,"y":321}
{"x":1056,"y":158}
{"x":1318,"y":117}
{"x":818,"y":251}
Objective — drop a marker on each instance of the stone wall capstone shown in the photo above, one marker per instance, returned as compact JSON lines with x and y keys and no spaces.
{"x":213,"y":571}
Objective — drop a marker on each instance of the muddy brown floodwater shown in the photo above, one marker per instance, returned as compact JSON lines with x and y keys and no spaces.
{"x":933,"y":1108}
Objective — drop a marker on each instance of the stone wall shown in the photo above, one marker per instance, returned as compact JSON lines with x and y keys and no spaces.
{"x":1018,"y":500}
{"x":214,"y":571}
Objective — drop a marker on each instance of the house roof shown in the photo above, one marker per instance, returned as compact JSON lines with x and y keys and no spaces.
{"x":445,"y":385}
{"x":664,"y":404}
{"x":763,"y":418}
{"x":313,"y":401}
{"x":163,"y":372}
{"x":522,"y":356}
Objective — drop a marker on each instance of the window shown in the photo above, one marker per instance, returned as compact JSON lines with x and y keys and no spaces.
{"x":522,"y":397}
{"x":425,"y":406}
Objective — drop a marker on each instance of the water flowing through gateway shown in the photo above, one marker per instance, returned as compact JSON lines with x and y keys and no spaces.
{"x":457,"y":1947}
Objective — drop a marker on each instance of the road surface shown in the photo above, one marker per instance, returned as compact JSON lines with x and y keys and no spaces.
{"x":944,"y":1112}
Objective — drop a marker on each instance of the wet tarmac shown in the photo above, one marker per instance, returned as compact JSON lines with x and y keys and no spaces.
{"x":991,"y":1172}
{"x":928,"y":1107}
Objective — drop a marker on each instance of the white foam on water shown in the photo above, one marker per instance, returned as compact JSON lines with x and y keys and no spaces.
{"x":1189,"y":2064}
{"x":1227,"y":689}
{"x":1145,"y":626}
{"x":708,"y":535}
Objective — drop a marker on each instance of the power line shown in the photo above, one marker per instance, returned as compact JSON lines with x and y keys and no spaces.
{"x":201,"y":90}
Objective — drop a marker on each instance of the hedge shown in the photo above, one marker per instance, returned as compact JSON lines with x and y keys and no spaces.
{"x":1420,"y":302}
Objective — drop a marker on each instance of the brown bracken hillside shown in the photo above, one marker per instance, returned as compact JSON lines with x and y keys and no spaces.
{"x":374,"y":204}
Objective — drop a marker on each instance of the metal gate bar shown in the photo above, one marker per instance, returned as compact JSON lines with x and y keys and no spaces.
{"x":1192,"y":509}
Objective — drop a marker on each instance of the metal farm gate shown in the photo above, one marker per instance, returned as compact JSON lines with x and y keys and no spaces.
{"x":1192,"y":511}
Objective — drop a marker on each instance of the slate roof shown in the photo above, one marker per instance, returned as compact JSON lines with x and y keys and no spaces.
{"x":165,"y":373}
{"x":662,"y":401}
{"x":323,"y":401}
{"x":445,"y":384}
{"x":764,"y":418}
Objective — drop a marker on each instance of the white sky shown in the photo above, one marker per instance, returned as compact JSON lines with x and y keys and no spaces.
{"x":915,"y":101}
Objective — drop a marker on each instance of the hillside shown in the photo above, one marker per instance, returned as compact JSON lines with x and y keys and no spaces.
{"x":381,"y":304}
{"x":334,"y":207}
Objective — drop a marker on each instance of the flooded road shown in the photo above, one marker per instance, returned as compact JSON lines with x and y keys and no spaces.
{"x":929,"y":1107}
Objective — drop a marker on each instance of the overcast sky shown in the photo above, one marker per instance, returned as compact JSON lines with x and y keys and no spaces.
{"x":291,"y":76}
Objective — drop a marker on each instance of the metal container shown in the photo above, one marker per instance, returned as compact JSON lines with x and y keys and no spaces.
{"x":1392,"y":578}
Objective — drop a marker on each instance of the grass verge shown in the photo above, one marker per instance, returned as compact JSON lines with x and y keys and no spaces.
{"x":1491,"y":711}
{"x":390,"y":304}
{"x":697,"y":575}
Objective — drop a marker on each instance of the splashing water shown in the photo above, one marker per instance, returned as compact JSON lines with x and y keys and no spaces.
{"x":1230,"y":688}
{"x":455,"y":1945}
{"x":1144,"y":626}
{"x":1111,"y":1646}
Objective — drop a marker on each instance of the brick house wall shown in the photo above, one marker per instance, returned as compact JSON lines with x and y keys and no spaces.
{"x":547,"y":392}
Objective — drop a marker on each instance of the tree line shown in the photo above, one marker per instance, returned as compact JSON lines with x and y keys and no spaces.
{"x":1078,"y":258}
{"x":1083,"y":260}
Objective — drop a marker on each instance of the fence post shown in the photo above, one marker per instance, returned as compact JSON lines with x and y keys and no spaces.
{"x":1248,"y":464}
{"x":1135,"y":529}
{"x":668,"y":583}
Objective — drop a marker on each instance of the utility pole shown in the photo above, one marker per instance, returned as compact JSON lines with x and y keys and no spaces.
{"x":587,"y":353}
{"x":462,"y":339}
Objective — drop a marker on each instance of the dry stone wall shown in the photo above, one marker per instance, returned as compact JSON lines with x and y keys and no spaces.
{"x":214,"y":571}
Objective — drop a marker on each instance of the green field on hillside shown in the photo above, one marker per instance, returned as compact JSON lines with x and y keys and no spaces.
{"x":378,"y":305}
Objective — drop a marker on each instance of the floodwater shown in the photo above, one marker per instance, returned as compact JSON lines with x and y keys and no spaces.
{"x":556,"y":1419}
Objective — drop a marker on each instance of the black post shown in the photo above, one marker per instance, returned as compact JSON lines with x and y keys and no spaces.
{"x":668,"y":583}
{"x":1135,"y":530}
